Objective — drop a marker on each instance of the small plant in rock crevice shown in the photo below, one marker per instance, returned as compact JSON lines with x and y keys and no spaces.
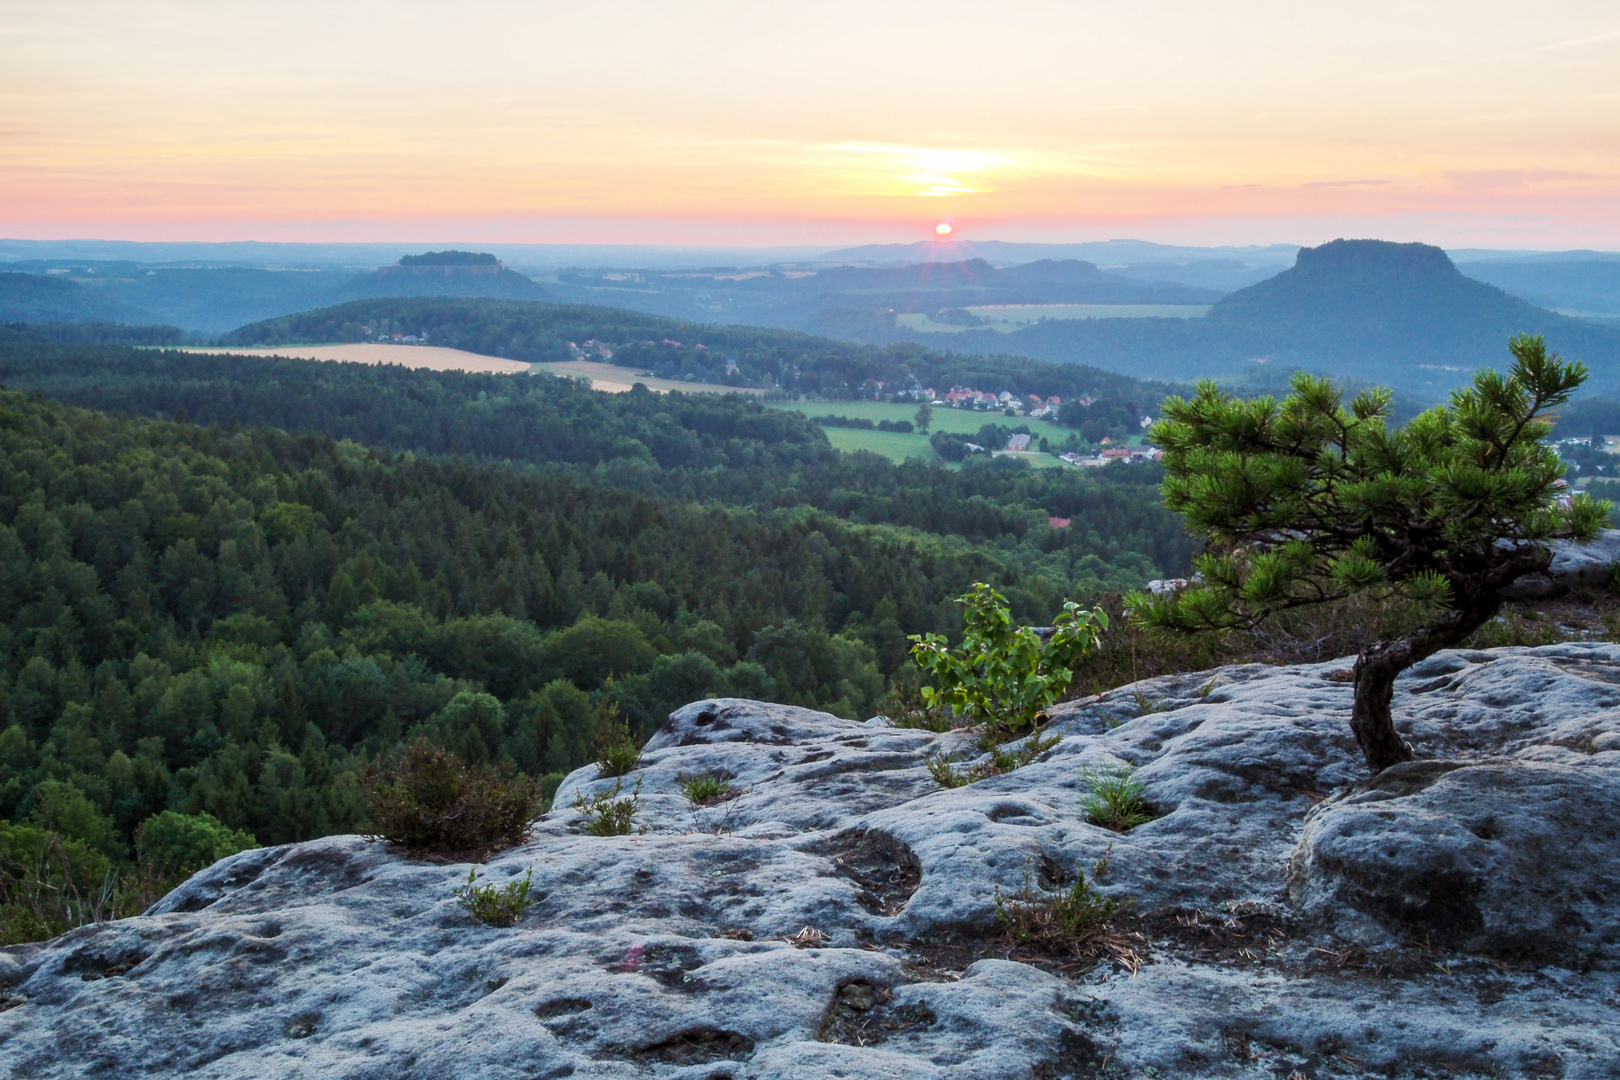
{"x":1114,"y":800}
{"x":706,"y":788}
{"x":1073,"y":920}
{"x":949,"y":773}
{"x":1004,"y":761}
{"x":616,"y":749}
{"x":607,"y":813}
{"x":496,"y":905}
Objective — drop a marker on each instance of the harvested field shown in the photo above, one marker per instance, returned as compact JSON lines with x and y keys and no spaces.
{"x":431,"y":357}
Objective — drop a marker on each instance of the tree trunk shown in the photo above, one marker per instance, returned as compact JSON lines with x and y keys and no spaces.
{"x":1370,"y":717}
{"x":1378,"y":665}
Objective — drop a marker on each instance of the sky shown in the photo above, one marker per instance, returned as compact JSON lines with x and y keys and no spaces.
{"x":1474,"y":124}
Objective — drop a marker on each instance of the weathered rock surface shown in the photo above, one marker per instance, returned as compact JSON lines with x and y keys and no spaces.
{"x":1573,"y":566}
{"x":1460,"y":917}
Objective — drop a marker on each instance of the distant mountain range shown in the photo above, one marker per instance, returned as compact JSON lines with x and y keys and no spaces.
{"x":1404,"y":314}
{"x":1220,"y":268}
{"x":209,"y":301}
{"x":1401,"y":314}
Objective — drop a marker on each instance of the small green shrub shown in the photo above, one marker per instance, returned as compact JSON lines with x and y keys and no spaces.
{"x":1115,"y":799}
{"x":616,"y":749}
{"x":1058,"y":920}
{"x":608,"y":814}
{"x":1004,"y":761}
{"x":948,"y":774}
{"x":431,"y":802}
{"x":496,"y":905}
{"x":1004,"y":675}
{"x":906,"y":708}
{"x":706,"y":788}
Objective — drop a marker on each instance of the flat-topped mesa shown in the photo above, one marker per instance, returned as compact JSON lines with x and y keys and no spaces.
{"x":446,"y":264}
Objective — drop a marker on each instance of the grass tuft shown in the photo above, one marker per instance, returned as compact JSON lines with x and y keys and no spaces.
{"x":706,"y":788}
{"x":1057,"y":920}
{"x":1115,"y":799}
{"x":496,"y":905}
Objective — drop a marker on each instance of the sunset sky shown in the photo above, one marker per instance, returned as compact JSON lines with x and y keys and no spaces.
{"x":1485,"y":123}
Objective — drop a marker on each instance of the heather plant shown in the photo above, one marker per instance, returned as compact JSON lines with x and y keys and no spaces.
{"x":1058,"y":920}
{"x":496,"y":905}
{"x":431,"y":802}
{"x":606,"y":813}
{"x":616,"y":749}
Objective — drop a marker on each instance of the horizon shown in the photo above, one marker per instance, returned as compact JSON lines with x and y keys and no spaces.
{"x":718,"y":125}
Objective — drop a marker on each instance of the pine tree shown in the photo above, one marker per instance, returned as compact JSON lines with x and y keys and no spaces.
{"x":1301,"y":502}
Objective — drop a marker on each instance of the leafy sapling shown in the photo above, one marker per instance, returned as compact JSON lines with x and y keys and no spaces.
{"x":1004,"y":675}
{"x":1304,"y":502}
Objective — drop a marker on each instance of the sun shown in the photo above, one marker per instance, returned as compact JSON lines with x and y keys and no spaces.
{"x":942,"y":229}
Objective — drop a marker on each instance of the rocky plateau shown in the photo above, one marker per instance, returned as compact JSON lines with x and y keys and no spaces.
{"x":1457,"y":917}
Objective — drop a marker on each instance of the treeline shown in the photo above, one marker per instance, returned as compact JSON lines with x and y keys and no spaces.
{"x":861,"y":423}
{"x":677,"y":447}
{"x":785,"y":360}
{"x":230,"y":621}
{"x":91,"y":333}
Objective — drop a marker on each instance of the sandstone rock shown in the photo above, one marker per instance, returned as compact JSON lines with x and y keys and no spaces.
{"x":835,"y":919}
{"x":1573,"y":566}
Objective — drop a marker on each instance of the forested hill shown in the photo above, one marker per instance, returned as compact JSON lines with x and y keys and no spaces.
{"x":42,"y":298}
{"x":225,"y":621}
{"x":686,"y":447}
{"x":793,"y":362}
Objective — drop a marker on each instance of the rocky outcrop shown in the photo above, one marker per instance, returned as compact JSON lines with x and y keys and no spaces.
{"x":1460,"y":916}
{"x":1574,"y":566}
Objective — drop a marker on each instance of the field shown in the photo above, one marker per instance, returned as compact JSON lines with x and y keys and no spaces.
{"x":617,"y":380}
{"x":605,"y":377}
{"x":1006,"y":318}
{"x":430,"y":357}
{"x":897,"y":446}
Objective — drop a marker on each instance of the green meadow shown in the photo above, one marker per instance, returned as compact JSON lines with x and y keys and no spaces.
{"x":897,"y":446}
{"x":1007,"y":318}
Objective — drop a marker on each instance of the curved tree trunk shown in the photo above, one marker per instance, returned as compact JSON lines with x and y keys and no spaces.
{"x":1370,"y":717}
{"x":1376,"y":670}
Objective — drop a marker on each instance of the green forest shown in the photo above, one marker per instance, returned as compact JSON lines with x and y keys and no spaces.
{"x":228,"y":583}
{"x":787,"y":361}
